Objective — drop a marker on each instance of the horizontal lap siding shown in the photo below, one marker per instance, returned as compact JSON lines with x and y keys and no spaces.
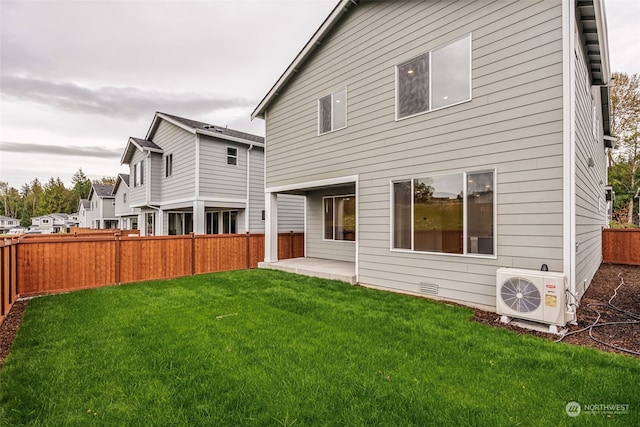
{"x":513,"y":124}
{"x":137,"y":195}
{"x":182,"y":145}
{"x":290,"y":213}
{"x":256,"y":191}
{"x":217,"y":179}
{"x":317,"y":247}
{"x":590,"y":214}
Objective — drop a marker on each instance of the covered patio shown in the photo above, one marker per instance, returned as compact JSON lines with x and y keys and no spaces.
{"x":316,"y":267}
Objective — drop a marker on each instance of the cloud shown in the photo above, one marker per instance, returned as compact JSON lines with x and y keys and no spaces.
{"x":125,"y":102}
{"x":69,"y":150}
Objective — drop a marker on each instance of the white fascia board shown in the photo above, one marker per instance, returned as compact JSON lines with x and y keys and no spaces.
{"x":229,"y":138}
{"x":316,"y":40}
{"x":329,"y":182}
{"x":603,"y":39}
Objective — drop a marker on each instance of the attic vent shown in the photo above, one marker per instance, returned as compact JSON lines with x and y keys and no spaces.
{"x":429,"y":288}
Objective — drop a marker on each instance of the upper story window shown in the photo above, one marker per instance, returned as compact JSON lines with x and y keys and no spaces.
{"x":332,"y":112}
{"x":437,"y":79}
{"x":232,"y":156}
{"x":168,"y":165}
{"x":124,"y":198}
{"x":138,"y":173}
{"x":446,"y":213}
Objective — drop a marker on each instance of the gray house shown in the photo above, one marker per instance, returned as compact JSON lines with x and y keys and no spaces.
{"x":103,"y":207}
{"x":127,"y":215}
{"x":438,"y":141}
{"x":7,"y":223}
{"x":189,"y":176}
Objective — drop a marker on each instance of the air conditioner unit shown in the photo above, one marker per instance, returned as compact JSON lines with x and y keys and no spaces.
{"x":538,"y":296}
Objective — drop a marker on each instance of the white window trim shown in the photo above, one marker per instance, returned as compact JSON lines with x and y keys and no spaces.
{"x":346,"y":105}
{"x":334,"y":229}
{"x":228,"y":156}
{"x":464,"y":210}
{"x":429,"y":110}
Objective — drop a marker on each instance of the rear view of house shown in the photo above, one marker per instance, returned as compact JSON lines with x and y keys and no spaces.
{"x":438,"y":141}
{"x":189,"y":176}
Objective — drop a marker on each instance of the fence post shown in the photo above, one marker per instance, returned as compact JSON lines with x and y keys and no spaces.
{"x":290,"y":243}
{"x":193,"y":253}
{"x":118,"y":263}
{"x":248,"y":251}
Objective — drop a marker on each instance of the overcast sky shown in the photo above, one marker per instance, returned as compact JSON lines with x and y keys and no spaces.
{"x":77,"y":78}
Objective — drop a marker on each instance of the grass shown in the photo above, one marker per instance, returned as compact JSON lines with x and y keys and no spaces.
{"x":270,"y":348}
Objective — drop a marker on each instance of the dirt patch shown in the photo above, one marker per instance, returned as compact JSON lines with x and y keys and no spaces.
{"x":594,"y":306}
{"x":594,"y":303}
{"x":10,"y":326}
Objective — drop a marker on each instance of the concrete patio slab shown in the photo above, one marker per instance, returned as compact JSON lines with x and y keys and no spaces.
{"x":315,"y":267}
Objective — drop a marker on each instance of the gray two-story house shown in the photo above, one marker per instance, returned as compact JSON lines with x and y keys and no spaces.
{"x":189,"y":176}
{"x":127,"y":216}
{"x":437,"y":141}
{"x":102,"y":207}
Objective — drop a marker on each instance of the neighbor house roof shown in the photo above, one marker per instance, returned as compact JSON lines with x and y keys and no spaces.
{"x":86,"y":204}
{"x":138,"y":144}
{"x":102,"y":191}
{"x":122,"y":177}
{"x":591,"y":16}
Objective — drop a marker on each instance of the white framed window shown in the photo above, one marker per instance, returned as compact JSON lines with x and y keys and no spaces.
{"x":339,"y":218}
{"x":232,"y":156}
{"x":332,"y":112}
{"x":437,"y":79}
{"x":138,"y":174}
{"x":150,"y":219}
{"x":453,"y":214}
{"x":124,"y":197}
{"x":213,"y":223}
{"x":180,"y":223}
{"x":229,"y":222}
{"x":168,"y":165}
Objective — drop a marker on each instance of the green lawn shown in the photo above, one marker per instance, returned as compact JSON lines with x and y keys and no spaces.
{"x":269,"y":348}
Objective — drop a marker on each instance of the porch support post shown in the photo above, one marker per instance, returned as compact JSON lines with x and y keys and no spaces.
{"x":271,"y":227}
{"x":198,"y":217}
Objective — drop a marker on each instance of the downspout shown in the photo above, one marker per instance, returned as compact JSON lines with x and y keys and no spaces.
{"x":569,"y":150}
{"x":248,"y":204}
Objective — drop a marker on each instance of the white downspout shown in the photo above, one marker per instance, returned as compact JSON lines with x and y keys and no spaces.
{"x":247,"y":211}
{"x":569,"y":150}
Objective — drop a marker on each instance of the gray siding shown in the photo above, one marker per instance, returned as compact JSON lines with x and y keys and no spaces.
{"x":590,"y":214}
{"x":181,"y":144}
{"x":290,"y":213}
{"x":512,"y":124}
{"x":256,"y":191}
{"x":137,"y":195}
{"x":316,"y":246}
{"x":217,"y":178}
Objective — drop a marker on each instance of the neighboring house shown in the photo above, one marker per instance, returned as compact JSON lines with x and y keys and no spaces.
{"x":84,"y":213}
{"x":7,"y":223}
{"x":103,"y":207}
{"x":437,"y":141}
{"x":52,"y":223}
{"x":189,"y":176}
{"x":128,"y":216}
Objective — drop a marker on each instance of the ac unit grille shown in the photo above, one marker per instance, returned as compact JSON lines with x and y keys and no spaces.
{"x":520,"y":295}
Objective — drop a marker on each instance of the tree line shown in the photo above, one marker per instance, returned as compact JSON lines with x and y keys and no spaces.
{"x":36,"y":199}
{"x":624,"y":161}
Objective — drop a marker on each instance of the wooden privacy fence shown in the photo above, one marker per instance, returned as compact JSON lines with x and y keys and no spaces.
{"x":8,"y":276}
{"x":48,"y":265}
{"x":621,"y":246}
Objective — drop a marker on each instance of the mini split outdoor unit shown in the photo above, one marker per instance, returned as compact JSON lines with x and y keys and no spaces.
{"x":538,"y":296}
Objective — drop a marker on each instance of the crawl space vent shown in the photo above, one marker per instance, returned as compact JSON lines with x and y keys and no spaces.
{"x":429,"y":288}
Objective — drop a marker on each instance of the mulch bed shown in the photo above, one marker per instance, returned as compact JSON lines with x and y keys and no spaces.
{"x":594,"y":301}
